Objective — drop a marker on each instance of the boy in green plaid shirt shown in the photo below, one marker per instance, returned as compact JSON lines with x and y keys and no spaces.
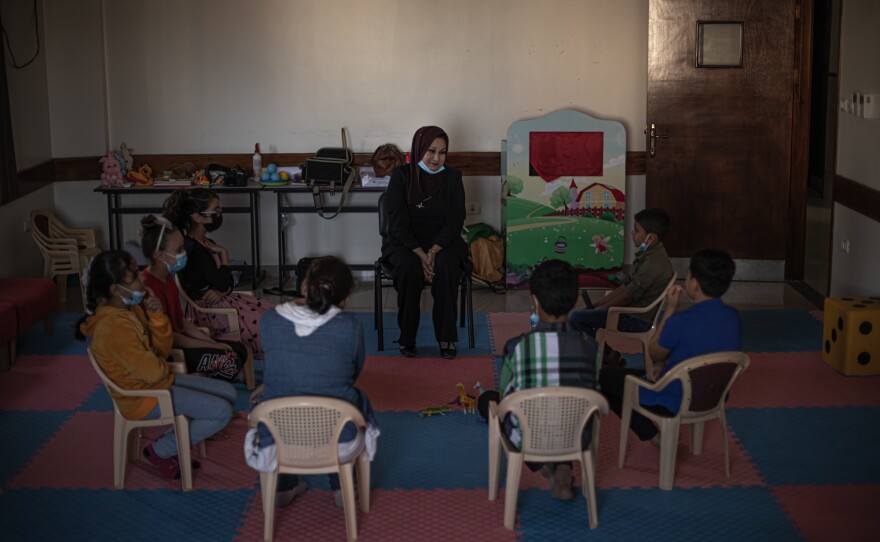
{"x":550,"y":355}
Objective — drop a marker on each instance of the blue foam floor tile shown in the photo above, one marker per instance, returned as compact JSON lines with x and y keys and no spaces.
{"x":24,"y":433}
{"x":66,"y":515}
{"x":425,"y":340}
{"x":441,"y":452}
{"x":98,"y":401}
{"x":811,"y":445}
{"x":61,"y":342}
{"x":780,"y":330}
{"x":715,"y":514}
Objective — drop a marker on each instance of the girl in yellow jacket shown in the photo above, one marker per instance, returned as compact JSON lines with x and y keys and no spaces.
{"x":131,"y":347}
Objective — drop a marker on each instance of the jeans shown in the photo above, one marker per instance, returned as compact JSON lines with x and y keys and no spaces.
{"x":589,"y":320}
{"x":205,"y":401}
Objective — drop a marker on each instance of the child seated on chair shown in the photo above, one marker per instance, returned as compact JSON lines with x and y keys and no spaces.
{"x":131,"y":346}
{"x":651,"y":273}
{"x":162,"y":245}
{"x":706,"y":327}
{"x":312,"y":347}
{"x":207,"y":278}
{"x":552,"y":354}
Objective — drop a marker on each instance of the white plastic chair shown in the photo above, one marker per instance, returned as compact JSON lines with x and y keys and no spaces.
{"x":552,"y":421}
{"x":126,"y":443}
{"x":306,"y":430}
{"x":65,"y":250}
{"x":234,"y":333}
{"x":645,"y":337}
{"x":705,"y":381}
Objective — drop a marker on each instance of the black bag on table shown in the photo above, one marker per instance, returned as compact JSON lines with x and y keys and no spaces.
{"x":331,"y":167}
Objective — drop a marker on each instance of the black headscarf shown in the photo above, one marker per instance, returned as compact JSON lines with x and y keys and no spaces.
{"x":423,"y":185}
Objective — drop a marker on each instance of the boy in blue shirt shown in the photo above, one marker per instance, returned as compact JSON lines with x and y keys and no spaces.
{"x":707,"y":326}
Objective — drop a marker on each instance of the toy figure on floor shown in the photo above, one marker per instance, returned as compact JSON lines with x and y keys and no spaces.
{"x":484,"y":397}
{"x":430,"y":411}
{"x":207,"y":277}
{"x":466,"y":401}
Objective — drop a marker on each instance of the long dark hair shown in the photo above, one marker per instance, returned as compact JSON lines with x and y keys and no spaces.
{"x":330,"y":282}
{"x":181,"y":204}
{"x":151,"y":229}
{"x":106,"y":269}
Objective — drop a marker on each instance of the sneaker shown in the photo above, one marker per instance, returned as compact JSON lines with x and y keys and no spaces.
{"x":284,"y":498}
{"x":562,"y":482}
{"x":339,"y":499}
{"x":168,"y":468}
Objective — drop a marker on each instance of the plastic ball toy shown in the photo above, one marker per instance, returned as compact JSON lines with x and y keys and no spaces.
{"x":284,"y":176}
{"x":272,"y":168}
{"x":276,"y":177}
{"x":266,"y":176}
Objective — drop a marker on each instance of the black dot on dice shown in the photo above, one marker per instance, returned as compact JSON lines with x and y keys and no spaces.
{"x":864,"y":358}
{"x":827,"y":347}
{"x":840,"y":324}
{"x":834,"y":335}
{"x":846,"y":299}
{"x":865,"y":328}
{"x":859,"y":305}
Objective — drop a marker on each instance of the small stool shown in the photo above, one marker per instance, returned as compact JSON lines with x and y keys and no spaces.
{"x":32,"y":300}
{"x":851,"y":335}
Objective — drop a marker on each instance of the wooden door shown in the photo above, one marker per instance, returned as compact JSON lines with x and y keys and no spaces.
{"x":723,"y":173}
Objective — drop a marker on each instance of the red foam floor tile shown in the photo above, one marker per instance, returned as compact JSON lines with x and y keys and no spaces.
{"x":69,"y":460}
{"x":438,"y":515}
{"x":790,"y":380}
{"x":844,"y":512}
{"x":47,"y":383}
{"x":395,"y":383}
{"x":642,"y":466}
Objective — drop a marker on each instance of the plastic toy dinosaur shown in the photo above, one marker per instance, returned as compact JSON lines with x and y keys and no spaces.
{"x":430,"y":411}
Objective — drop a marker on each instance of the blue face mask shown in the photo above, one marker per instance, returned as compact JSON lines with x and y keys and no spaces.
{"x":425,"y":168}
{"x":179,"y":262}
{"x":644,"y":246}
{"x":533,"y":319}
{"x":136,"y":296}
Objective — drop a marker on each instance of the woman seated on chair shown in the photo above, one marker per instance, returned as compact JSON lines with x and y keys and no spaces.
{"x":314,"y":348}
{"x":207,"y":277}
{"x":425,"y":206}
{"x":162,"y":245}
{"x":131,"y":347}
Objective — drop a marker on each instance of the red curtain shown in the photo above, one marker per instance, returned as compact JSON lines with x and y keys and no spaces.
{"x":573,"y":154}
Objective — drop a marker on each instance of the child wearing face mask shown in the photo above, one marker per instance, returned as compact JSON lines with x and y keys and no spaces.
{"x":207,"y":277}
{"x":162,"y":245}
{"x":651,"y":273}
{"x":131,"y":345}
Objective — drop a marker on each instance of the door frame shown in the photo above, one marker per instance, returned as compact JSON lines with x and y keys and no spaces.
{"x":802,"y":73}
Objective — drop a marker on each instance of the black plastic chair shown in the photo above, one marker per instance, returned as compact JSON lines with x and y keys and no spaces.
{"x":383,"y":272}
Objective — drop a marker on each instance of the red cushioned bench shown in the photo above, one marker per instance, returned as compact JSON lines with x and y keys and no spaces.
{"x":23,"y":302}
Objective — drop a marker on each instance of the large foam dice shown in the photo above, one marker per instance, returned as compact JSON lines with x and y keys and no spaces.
{"x":851,"y":335}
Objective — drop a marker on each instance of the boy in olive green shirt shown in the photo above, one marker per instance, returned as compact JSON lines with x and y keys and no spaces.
{"x":651,"y":273}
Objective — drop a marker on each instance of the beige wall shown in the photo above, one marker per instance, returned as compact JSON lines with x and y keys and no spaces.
{"x":198,"y":76}
{"x":858,"y":143}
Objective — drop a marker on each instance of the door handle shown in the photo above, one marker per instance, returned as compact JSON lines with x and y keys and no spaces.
{"x":653,"y":136}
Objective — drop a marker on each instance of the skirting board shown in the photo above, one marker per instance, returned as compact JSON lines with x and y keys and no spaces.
{"x":746,"y":270}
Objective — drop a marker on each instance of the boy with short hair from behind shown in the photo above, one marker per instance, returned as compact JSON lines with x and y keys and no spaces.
{"x":552,"y":354}
{"x":651,"y":273}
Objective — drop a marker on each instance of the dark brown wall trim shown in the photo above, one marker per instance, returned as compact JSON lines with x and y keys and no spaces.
{"x":858,"y":197}
{"x":88,"y":167}
{"x":44,"y":171}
